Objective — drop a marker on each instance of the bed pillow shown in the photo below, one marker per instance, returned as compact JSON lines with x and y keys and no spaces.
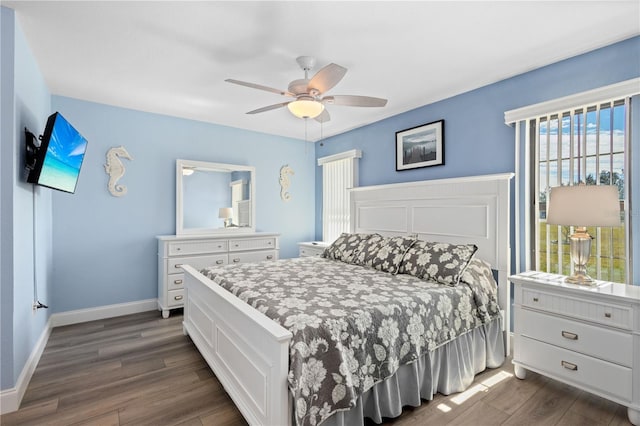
{"x":346,"y":247}
{"x":384,"y":253}
{"x":440,"y":262}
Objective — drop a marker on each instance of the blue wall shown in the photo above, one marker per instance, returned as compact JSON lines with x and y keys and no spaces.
{"x":476,"y":139}
{"x":26,"y":102}
{"x":104,"y":249}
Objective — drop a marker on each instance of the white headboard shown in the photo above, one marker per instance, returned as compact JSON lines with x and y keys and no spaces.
{"x":467,"y":210}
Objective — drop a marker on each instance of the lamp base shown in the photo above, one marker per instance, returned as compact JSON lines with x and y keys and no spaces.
{"x":580,"y":246}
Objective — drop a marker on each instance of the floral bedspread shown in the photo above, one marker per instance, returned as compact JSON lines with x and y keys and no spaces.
{"x":352,"y":326}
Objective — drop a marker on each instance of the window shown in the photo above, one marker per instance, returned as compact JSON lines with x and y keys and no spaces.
{"x":585,"y":137}
{"x":582,"y":145}
{"x":339,"y":173}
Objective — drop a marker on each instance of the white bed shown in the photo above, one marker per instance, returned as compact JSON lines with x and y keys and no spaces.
{"x":249,"y":353}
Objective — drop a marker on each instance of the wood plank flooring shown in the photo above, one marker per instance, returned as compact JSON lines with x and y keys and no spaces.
{"x":141,"y":370}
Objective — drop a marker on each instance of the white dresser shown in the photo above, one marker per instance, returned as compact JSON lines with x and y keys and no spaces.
{"x":201,"y":251}
{"x":311,"y":248}
{"x":588,"y":337}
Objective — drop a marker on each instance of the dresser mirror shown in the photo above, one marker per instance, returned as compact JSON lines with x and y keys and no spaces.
{"x":214,"y":198}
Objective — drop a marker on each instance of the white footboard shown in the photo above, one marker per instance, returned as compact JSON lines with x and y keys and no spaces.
{"x":248,"y":352}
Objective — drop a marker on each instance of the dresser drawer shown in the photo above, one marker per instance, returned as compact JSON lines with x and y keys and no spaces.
{"x":253,"y":256}
{"x":603,"y":313}
{"x":197,"y":262}
{"x":252,"y":244}
{"x":603,"y":343}
{"x":175,"y":281}
{"x":183,"y":248}
{"x":175,"y":297}
{"x":575,"y":368}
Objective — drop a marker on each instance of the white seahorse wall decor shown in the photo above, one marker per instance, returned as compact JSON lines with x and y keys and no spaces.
{"x":285,"y":172}
{"x":115,"y":170}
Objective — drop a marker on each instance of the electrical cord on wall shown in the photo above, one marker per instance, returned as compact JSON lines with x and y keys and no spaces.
{"x":36,"y":303}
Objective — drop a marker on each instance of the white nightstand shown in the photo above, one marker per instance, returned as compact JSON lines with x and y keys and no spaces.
{"x":311,"y":248}
{"x":588,"y":337}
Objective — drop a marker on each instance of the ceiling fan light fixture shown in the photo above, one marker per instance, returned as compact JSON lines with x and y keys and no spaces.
{"x":304,"y":108}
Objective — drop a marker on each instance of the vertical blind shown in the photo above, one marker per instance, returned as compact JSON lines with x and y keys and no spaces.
{"x":339,"y":174}
{"x":582,"y":145}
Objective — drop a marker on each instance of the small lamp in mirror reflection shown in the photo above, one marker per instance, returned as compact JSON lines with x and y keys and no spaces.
{"x":581,"y":206}
{"x":226,"y":213}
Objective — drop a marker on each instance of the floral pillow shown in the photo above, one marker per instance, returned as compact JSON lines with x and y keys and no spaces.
{"x":440,"y":262}
{"x":384,"y":253}
{"x":346,"y":247}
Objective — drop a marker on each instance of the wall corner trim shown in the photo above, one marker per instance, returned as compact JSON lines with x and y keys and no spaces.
{"x":10,"y":399}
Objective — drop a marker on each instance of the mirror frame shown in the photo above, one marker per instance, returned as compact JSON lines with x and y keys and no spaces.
{"x":204,"y":165}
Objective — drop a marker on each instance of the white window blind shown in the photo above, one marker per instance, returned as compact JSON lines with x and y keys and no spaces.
{"x":339,"y":174}
{"x":581,"y":145}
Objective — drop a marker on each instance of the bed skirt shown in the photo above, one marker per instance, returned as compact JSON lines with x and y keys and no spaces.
{"x":448,"y":369}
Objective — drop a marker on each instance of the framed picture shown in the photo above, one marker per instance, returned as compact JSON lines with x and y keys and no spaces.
{"x":421,"y":146}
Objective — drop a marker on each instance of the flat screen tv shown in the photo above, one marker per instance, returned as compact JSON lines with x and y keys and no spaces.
{"x":58,"y":159}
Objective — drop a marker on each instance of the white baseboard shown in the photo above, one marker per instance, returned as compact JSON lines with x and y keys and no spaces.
{"x":102,"y":312}
{"x":10,"y":399}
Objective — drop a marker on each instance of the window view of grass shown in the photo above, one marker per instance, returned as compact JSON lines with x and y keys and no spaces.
{"x":611,"y":259}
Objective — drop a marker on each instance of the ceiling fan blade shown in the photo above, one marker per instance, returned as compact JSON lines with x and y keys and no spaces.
{"x":260,"y":87}
{"x":353,"y":100}
{"x":268,"y":108}
{"x":327,"y":77}
{"x":323,"y":117}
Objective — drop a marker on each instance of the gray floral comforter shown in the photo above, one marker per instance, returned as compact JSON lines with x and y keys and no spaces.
{"x":354,"y":326}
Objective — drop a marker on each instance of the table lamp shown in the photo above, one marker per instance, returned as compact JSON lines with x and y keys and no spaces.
{"x":582,"y":206}
{"x":226,"y":213}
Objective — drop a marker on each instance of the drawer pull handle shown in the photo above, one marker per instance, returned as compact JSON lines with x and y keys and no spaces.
{"x":236,"y":260}
{"x":269,"y":243}
{"x":607,"y":315}
{"x":177,"y":282}
{"x":535,"y":299}
{"x":569,"y":335}
{"x":178,"y":249}
{"x":178,"y":297}
{"x":269,"y":257}
{"x":219,"y":262}
{"x":569,"y":366}
{"x":178,"y":265}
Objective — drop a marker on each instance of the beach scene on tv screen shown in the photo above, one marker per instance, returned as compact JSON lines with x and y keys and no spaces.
{"x":64,"y":157}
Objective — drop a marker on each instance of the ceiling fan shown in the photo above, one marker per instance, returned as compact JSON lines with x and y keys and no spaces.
{"x":309,"y":96}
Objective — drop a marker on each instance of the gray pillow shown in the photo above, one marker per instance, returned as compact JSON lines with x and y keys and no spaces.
{"x":440,"y":262}
{"x":384,"y":253}
{"x":346,"y":247}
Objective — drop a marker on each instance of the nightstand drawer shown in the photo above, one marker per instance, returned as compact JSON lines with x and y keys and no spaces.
{"x":182,"y":248}
{"x":197,"y":262}
{"x":602,"y":313}
{"x":603,"y":343}
{"x":575,"y":368}
{"x":258,"y":256}
{"x":252,"y":244}
{"x":309,"y":251}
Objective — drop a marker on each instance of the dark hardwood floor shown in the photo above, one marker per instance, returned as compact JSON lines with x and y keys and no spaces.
{"x":141,"y":370}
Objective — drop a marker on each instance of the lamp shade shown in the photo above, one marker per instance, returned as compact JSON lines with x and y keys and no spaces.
{"x":584,"y":205}
{"x":305,"y":108}
{"x":225,"y":213}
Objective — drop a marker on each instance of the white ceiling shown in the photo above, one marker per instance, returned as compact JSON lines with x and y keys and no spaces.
{"x":173,"y":57}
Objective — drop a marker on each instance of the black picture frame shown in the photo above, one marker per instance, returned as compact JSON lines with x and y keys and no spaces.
{"x":421,"y":146}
